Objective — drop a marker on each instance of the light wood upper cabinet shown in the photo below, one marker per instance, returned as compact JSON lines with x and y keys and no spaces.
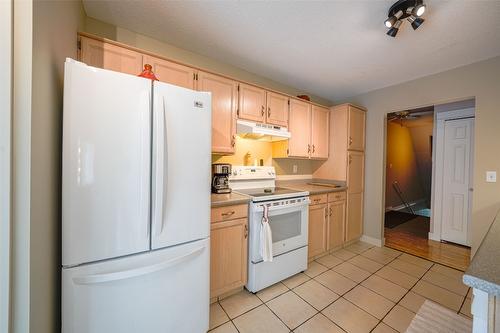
{"x":252,"y":103}
{"x":354,"y":225}
{"x":356,"y":127}
{"x":170,"y":72}
{"x":318,"y":218}
{"x":224,"y":104}
{"x":299,"y":125}
{"x":277,"y":109}
{"x":320,"y":132}
{"x":108,"y":56}
{"x":228,"y":256}
{"x":336,"y":223}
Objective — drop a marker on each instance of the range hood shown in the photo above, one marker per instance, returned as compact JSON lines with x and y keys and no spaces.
{"x":263,"y":132}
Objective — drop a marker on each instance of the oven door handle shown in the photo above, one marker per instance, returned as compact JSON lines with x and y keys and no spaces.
{"x":297,"y":206}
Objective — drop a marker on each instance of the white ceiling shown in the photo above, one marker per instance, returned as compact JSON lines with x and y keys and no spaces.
{"x":333,"y":49}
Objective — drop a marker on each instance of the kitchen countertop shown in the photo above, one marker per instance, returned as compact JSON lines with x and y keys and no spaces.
{"x":219,"y":200}
{"x":303,"y":185}
{"x":484,"y":270}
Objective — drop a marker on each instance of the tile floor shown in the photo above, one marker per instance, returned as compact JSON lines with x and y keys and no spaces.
{"x":358,"y":289}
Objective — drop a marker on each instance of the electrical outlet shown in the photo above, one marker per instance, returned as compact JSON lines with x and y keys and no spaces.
{"x":491,"y":176}
{"x":295,"y":168}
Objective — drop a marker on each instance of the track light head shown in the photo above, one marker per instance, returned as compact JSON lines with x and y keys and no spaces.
{"x":393,"y":31}
{"x":415,"y":21}
{"x":393,"y":19}
{"x":419,"y":10}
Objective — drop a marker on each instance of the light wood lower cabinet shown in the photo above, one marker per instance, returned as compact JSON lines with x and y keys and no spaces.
{"x":354,"y":225}
{"x":228,"y":255}
{"x":336,"y":224}
{"x":318,"y":219}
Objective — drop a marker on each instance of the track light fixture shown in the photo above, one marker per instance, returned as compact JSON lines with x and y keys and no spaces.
{"x":412,"y":10}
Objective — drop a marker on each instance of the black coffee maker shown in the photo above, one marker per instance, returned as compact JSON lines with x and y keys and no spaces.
{"x":220,"y":178}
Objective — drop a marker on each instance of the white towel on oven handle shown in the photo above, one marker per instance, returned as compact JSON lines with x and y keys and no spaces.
{"x":266,"y":238}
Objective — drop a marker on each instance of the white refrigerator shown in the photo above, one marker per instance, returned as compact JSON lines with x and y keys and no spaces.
{"x":135,"y":204}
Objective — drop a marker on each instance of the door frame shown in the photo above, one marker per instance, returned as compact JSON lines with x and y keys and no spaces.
{"x":440,"y":117}
{"x":6,"y":13}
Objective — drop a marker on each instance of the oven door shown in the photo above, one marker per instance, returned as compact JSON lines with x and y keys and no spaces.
{"x":288,"y":222}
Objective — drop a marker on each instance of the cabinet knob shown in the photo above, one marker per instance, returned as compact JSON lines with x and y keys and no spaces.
{"x":269,"y":111}
{"x":308,"y":149}
{"x":350,"y":141}
{"x":314,"y":148}
{"x":233,"y":141}
{"x":246,"y":231}
{"x":262,"y":112}
{"x":330,"y":211}
{"x":228,"y":213}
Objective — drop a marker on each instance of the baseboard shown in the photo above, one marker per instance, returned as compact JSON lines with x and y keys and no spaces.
{"x":434,"y":237}
{"x":372,"y":240}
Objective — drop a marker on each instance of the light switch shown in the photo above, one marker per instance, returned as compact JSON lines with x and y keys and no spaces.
{"x":491,"y":176}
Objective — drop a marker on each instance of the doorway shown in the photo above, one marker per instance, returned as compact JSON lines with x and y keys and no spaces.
{"x":427,"y":206}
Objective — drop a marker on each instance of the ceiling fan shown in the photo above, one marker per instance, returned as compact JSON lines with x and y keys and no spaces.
{"x":406,"y":115}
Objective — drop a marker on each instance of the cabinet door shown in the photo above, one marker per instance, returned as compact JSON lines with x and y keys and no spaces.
{"x":319,"y":132}
{"x":252,"y":103}
{"x":355,"y":171}
{"x":356,"y":139}
{"x":224,"y":103}
{"x":228,"y":256}
{"x":170,"y":72}
{"x":108,"y":56}
{"x":277,"y":109}
{"x":354,"y":225}
{"x":336,"y":223}
{"x":300,"y":128}
{"x":318,"y":217}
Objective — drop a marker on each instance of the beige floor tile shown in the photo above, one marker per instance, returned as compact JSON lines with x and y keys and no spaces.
{"x":315,"y":269}
{"x":295,"y":280}
{"x":260,"y":320}
{"x":383,"y":328}
{"x":399,"y":318}
{"x":239,"y":303}
{"x":272,"y":292}
{"x":226,"y":328}
{"x":369,"y":301}
{"x":352,"y":272}
{"x":329,"y":261}
{"x":391,"y":274}
{"x":366,"y":264}
{"x":335,"y":282}
{"x":316,"y":294}
{"x":291,"y":309}
{"x":438,"y":295}
{"x":359,"y":247}
{"x":390,"y":251}
{"x":465,"y":310}
{"x":217,"y":316}
{"x":385,"y":288}
{"x":412,"y":301}
{"x":416,"y":260}
{"x":379,"y":255}
{"x":408,"y":268}
{"x":454,"y":273}
{"x":447,"y":282}
{"x":318,"y":324}
{"x":469,"y":293}
{"x":344,"y":254}
{"x":349,"y":317}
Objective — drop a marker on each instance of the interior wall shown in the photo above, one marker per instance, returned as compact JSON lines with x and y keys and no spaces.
{"x":55,"y":27}
{"x":401,"y":166}
{"x":479,"y":80}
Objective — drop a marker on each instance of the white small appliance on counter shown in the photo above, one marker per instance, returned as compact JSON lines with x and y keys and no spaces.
{"x":288,"y":214}
{"x":136,"y":160}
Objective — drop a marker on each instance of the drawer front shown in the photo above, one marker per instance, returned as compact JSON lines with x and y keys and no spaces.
{"x":229,"y":213}
{"x":318,"y":199}
{"x":336,"y":196}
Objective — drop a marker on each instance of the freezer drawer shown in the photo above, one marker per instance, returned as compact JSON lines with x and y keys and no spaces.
{"x":160,"y":291}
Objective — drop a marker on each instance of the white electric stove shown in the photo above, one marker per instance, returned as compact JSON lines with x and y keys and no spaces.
{"x":288,"y":219}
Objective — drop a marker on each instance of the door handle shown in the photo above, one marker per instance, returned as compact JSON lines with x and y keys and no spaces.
{"x":164,"y":165}
{"x":233,"y":141}
{"x":131,"y":273}
{"x":268,"y":111}
{"x":308,"y":149}
{"x":330,"y":211}
{"x":350,"y":159}
{"x":314,"y":148}
{"x":350,"y":141}
{"x":262,"y":112}
{"x":246,"y":231}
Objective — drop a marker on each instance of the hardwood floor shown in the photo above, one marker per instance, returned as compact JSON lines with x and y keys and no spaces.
{"x":411,"y":238}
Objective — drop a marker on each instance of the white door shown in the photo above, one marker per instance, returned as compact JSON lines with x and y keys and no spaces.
{"x":158,"y":291}
{"x":106,"y":164}
{"x":181,"y":165}
{"x":457,"y":180}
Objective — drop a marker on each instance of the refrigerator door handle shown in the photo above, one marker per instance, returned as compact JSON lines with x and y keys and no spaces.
{"x":161,"y":174}
{"x":164,"y":164}
{"x":128,"y":274}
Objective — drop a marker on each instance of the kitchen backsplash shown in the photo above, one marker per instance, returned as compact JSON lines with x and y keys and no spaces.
{"x":249,"y":152}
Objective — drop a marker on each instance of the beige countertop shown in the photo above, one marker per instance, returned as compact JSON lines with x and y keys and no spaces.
{"x":304,"y":185}
{"x":219,"y":200}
